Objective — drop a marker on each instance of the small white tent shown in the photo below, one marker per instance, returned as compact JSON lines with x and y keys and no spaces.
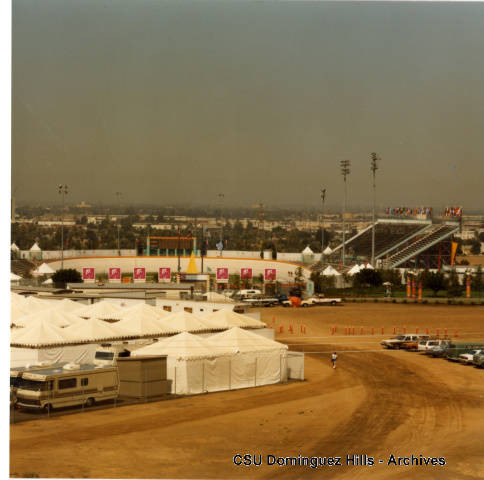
{"x":327,"y":251}
{"x":144,"y":327}
{"x":354,"y":270}
{"x":15,"y":278}
{"x":94,"y":330}
{"x":330,"y":271}
{"x":49,"y":315}
{"x":44,"y":269}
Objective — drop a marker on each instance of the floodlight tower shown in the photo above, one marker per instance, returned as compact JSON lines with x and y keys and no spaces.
{"x":345,"y":171}
{"x":374,"y":168}
{"x":221,"y":197}
{"x":323,"y":198}
{"x":118,"y":196}
{"x":62,"y":190}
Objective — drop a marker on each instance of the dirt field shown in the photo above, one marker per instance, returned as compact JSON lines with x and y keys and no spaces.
{"x":376,"y":403}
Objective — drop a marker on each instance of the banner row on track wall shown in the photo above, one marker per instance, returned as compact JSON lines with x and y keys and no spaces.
{"x":164,"y":274}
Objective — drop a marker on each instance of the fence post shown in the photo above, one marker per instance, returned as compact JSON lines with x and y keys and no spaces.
{"x":203,"y":375}
{"x":175,"y":378}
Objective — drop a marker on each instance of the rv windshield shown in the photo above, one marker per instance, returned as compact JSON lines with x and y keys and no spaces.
{"x":35,"y":385}
{"x":14,"y":381}
{"x":104,"y":355}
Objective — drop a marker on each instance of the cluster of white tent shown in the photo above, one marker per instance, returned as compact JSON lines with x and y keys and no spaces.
{"x":216,"y":351}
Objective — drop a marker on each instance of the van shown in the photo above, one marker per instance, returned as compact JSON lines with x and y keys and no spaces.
{"x":107,"y":354}
{"x":65,"y":385}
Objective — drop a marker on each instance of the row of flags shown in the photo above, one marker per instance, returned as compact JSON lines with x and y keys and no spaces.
{"x":408,"y":210}
{"x":453,"y":212}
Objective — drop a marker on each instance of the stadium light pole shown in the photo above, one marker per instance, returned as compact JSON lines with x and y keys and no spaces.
{"x":323,"y":198}
{"x":374,"y":168}
{"x":62,"y":190}
{"x":118,"y":195}
{"x":221,"y":197}
{"x":345,"y":171}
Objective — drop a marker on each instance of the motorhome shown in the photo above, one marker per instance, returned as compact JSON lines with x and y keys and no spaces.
{"x":64,"y":385}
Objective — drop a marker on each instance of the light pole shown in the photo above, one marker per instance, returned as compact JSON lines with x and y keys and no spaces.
{"x":62,"y":190}
{"x":345,"y":171}
{"x":323,"y":198}
{"x":118,"y":195}
{"x":221,"y":197}
{"x":374,"y":168}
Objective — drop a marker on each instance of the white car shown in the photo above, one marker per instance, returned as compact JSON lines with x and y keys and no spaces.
{"x":427,"y":346}
{"x":469,"y":357}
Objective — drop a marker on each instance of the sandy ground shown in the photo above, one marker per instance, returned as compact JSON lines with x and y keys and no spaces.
{"x":376,"y":403}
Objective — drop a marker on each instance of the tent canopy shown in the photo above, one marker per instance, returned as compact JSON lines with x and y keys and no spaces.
{"x":142,"y":310}
{"x":184,"y":346}
{"x":94,"y":330}
{"x":144,"y":326}
{"x":14,"y":247}
{"x":40,"y":333}
{"x":327,"y":251}
{"x":35,"y":248}
{"x":330,"y":271}
{"x":49,"y":315}
{"x":14,"y":277}
{"x":307,"y":251}
{"x":44,"y":269}
{"x":354,"y":270}
{"x":184,"y":322}
{"x":102,"y":310}
{"x":243,"y":341}
{"x":228,"y":319}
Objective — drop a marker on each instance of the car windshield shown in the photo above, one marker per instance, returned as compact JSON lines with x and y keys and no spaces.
{"x":34,"y":385}
{"x":400,"y":337}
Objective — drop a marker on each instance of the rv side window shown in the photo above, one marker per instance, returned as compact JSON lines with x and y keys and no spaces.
{"x":67,"y":383}
{"x":84,"y":382}
{"x":167,"y":308}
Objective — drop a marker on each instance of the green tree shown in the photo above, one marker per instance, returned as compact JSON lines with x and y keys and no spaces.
{"x":67,"y":275}
{"x":367,"y":277}
{"x":435,"y":281}
{"x":454,"y":288}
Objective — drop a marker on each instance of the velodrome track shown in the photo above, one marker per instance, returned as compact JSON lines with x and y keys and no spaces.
{"x":376,"y":403}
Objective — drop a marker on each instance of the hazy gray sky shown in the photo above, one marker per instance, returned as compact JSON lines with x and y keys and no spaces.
{"x":176,"y":101}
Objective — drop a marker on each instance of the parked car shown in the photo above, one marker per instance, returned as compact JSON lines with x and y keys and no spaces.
{"x":427,"y":346}
{"x":401,"y":341}
{"x":469,"y":357}
{"x":454,"y":351}
{"x":478,"y":360}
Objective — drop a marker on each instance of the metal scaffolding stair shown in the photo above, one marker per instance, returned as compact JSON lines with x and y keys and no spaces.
{"x":432,"y":236}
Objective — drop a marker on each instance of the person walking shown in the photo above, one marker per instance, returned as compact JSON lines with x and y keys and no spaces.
{"x":334,"y":357}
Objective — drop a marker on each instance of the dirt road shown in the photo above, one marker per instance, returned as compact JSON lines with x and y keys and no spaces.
{"x":376,"y":403}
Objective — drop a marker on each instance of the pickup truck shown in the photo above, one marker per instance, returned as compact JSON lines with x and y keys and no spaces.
{"x":410,"y":342}
{"x":314,"y":301}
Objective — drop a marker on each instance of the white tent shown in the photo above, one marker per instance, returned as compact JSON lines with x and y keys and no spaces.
{"x":307,"y":251}
{"x":327,"y":251}
{"x":193,"y":364}
{"x":354,"y":270}
{"x":143,"y":310}
{"x":35,"y":248}
{"x":14,"y":277}
{"x":258,"y":360}
{"x":94,"y":330}
{"x":185,"y":322}
{"x":49,"y":315}
{"x":40,"y":333}
{"x":14,"y":247}
{"x":17,"y":310}
{"x":102,"y":310}
{"x":65,"y":305}
{"x":35,"y":304}
{"x":144,"y":326}
{"x":368,"y":265}
{"x":44,"y":269}
{"x":330,"y":271}
{"x":228,"y":318}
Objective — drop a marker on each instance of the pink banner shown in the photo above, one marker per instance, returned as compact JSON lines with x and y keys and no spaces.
{"x":222,"y":275}
{"x":88,"y":274}
{"x":139,"y":273}
{"x":270,"y":274}
{"x":114,"y":273}
{"x":246,"y":273}
{"x":164,"y":274}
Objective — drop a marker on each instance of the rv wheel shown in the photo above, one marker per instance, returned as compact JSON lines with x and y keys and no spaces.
{"x":89,"y":402}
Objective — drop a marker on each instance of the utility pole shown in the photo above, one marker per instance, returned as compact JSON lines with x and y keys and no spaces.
{"x":178,"y":250}
{"x":323,"y":198}
{"x":374,"y":168}
{"x":345,"y":171}
{"x":62,"y":190}
{"x":118,"y":195}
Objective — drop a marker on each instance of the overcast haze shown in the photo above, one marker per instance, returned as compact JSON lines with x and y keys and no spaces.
{"x":177,"y":101}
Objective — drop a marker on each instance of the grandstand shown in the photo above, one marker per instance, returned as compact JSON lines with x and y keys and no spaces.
{"x":402,"y":243}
